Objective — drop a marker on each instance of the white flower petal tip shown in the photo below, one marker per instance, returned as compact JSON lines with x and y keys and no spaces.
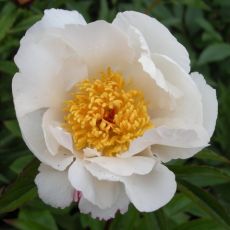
{"x":101,"y":105}
{"x":54,"y":187}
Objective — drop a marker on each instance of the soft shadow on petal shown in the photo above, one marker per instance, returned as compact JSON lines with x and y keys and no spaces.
{"x":158,"y":37}
{"x":100,"y":45}
{"x":32,"y":133}
{"x":53,"y":187}
{"x":120,"y":205}
{"x":209,"y":102}
{"x":54,"y":134}
{"x":125,"y":166}
{"x":152,"y":191}
{"x":188,"y":107}
{"x":147,"y":192}
{"x":100,"y":193}
{"x":48,"y":69}
{"x":167,"y":153}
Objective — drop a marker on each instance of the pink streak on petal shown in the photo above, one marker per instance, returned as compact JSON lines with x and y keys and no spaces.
{"x":77,"y":196}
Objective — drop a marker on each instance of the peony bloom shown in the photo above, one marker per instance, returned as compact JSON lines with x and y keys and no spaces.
{"x":103,"y":106}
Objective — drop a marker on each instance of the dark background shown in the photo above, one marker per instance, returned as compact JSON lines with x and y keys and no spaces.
{"x":203,"y":198}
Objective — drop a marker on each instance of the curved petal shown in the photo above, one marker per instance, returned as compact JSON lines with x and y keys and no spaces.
{"x":41,"y":64}
{"x":147,"y":192}
{"x":158,"y":37}
{"x":188,"y":107}
{"x":209,"y":102}
{"x":32,"y":133}
{"x":53,"y":187}
{"x":121,"y":205}
{"x":55,"y":136}
{"x":59,"y":18}
{"x":167,"y":153}
{"x":100,"y":193}
{"x":150,"y":192}
{"x":125,"y":166}
{"x":100,"y":45}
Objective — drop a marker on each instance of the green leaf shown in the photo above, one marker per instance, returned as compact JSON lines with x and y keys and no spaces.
{"x":8,"y":67}
{"x":13,"y":127}
{"x":214,"y":52}
{"x":201,"y":175}
{"x":36,"y":220}
{"x":211,"y":157}
{"x":206,"y":202}
{"x":161,"y":219}
{"x":21,"y":191}
{"x":8,"y":16}
{"x":201,"y":224}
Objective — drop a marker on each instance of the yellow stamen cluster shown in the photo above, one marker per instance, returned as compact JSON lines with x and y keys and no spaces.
{"x":105,"y":116}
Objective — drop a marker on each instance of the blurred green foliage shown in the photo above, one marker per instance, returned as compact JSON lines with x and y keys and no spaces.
{"x":202,"y":201}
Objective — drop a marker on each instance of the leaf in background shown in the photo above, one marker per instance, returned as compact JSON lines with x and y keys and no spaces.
{"x":8,"y":67}
{"x":7,"y":17}
{"x":206,"y":202}
{"x":210,"y":156}
{"x":200,"y":224}
{"x":201,"y":175}
{"x":214,"y":52}
{"x":21,"y":191}
{"x":35,"y":220}
{"x":13,"y":127}
{"x":93,"y":224}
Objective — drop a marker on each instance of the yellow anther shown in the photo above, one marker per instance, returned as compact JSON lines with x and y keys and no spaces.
{"x":104,"y":115}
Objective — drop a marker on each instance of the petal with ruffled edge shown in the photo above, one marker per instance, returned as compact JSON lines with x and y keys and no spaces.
{"x":125,"y":166}
{"x":209,"y":102}
{"x":158,"y":37}
{"x":98,"y":192}
{"x":121,"y":205}
{"x":32,"y":133}
{"x":53,"y":187}
{"x":147,"y":192}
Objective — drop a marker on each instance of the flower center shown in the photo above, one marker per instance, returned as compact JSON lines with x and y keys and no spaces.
{"x":105,"y":116}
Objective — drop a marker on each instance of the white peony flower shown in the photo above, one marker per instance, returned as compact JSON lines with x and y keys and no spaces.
{"x":103,"y":105}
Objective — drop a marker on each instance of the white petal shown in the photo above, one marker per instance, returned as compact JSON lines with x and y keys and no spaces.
{"x":55,"y":136}
{"x":125,"y":166}
{"x":147,"y":192}
{"x":121,"y":205}
{"x":59,"y":18}
{"x":152,"y":191}
{"x":209,"y":102}
{"x":32,"y":133}
{"x":158,"y":37}
{"x":188,"y":107}
{"x":100,"y":45}
{"x":167,"y":153}
{"x":100,"y":193}
{"x":42,"y":64}
{"x":53,"y":187}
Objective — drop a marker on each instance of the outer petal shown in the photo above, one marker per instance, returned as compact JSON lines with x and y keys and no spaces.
{"x":152,"y":191}
{"x":59,"y":18}
{"x":41,"y":64}
{"x":167,"y":153}
{"x":147,"y":192}
{"x":100,"y":193}
{"x":32,"y":133}
{"x":54,"y":187}
{"x":121,"y":204}
{"x":209,"y":102}
{"x":125,"y":166}
{"x":158,"y":37}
